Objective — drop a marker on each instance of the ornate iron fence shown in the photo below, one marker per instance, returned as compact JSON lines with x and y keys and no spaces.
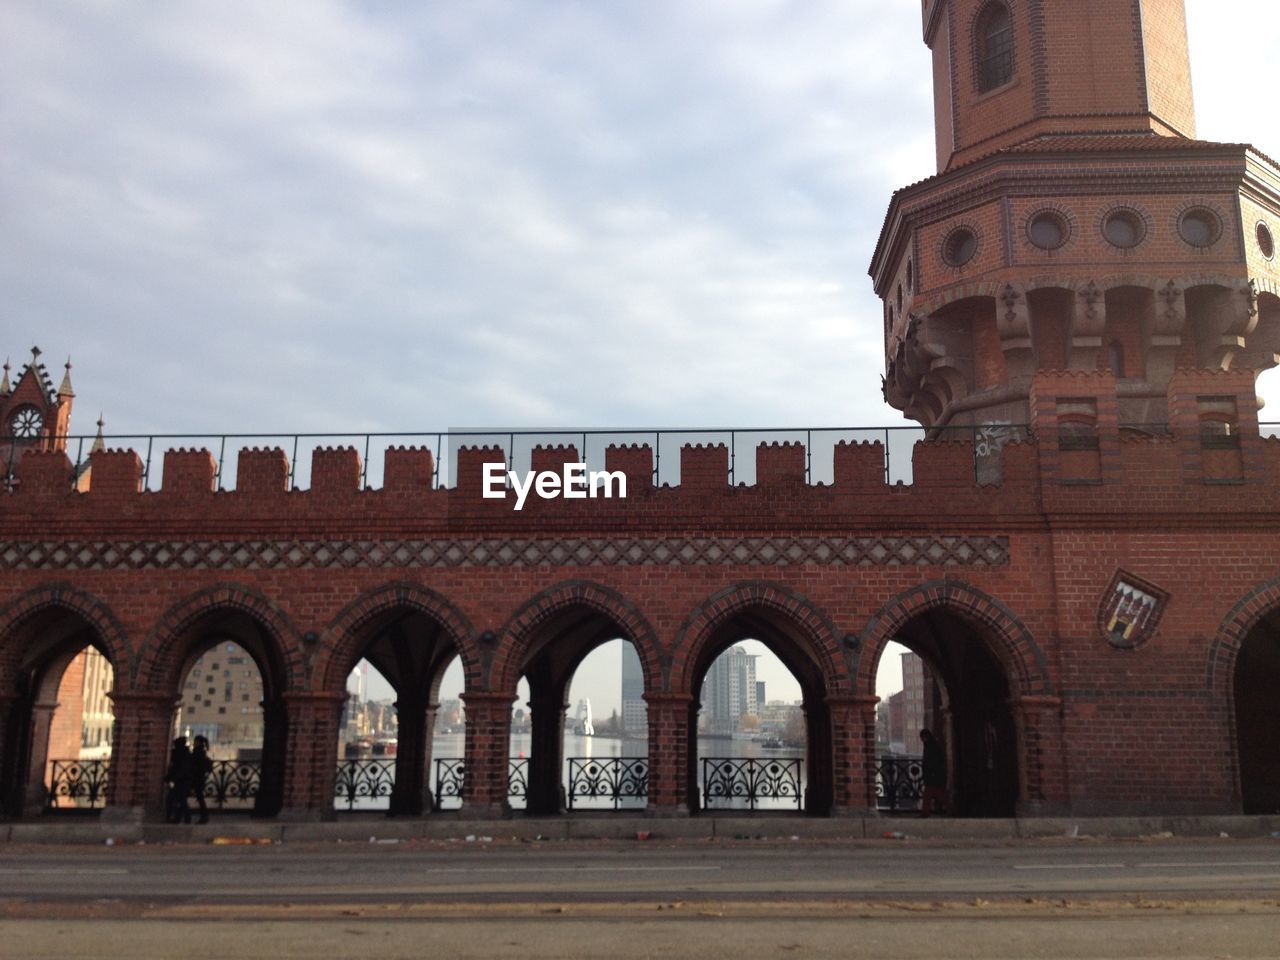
{"x":518,"y":780}
{"x":450,"y":776}
{"x":899,"y":783}
{"x":364,"y":782}
{"x":727,"y":781}
{"x":78,"y":784}
{"x":614,"y":779}
{"x":233,"y":784}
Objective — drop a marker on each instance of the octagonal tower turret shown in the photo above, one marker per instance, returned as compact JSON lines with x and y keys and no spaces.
{"x":1075,"y":224}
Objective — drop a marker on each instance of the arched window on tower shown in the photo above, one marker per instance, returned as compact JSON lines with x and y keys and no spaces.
{"x":994,"y":37}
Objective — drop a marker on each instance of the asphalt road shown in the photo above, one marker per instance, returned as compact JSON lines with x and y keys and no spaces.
{"x":611,"y":899}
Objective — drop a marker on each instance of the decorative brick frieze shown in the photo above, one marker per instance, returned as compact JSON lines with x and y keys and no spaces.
{"x":921,"y":551}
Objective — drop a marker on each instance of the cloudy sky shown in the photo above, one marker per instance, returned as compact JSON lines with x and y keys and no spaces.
{"x":326,"y":216}
{"x":310,"y":216}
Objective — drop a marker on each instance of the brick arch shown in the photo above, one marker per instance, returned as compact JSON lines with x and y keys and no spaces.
{"x":813,"y":624}
{"x":161,"y":653}
{"x":521,"y":629}
{"x":342,"y":637}
{"x":989,"y":289}
{"x":62,"y":596}
{"x":1009,"y":640}
{"x":1240,"y":620}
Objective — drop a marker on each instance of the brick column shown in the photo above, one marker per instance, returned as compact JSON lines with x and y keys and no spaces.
{"x":427,"y":801}
{"x":853,"y":734}
{"x":488,"y":741}
{"x":139,"y":755}
{"x":669,"y":753}
{"x":412,"y":750}
{"x":311,"y":755}
{"x":10,"y":754}
{"x":546,"y":795}
{"x":1043,"y":779}
{"x":34,"y":794}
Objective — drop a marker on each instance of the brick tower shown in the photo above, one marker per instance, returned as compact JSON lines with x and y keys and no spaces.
{"x":1076,"y":225}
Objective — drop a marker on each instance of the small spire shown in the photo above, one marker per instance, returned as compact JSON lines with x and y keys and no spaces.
{"x":35,"y":355}
{"x":98,"y":443}
{"x":4,"y":384}
{"x":65,"y":389}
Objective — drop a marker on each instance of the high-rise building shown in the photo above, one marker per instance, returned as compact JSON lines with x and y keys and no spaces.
{"x":635,"y":713}
{"x":729,"y":691}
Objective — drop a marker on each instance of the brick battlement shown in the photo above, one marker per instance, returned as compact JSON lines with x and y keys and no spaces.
{"x":1123,"y":474}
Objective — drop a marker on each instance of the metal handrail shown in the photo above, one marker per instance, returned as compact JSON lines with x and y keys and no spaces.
{"x":518,"y":444}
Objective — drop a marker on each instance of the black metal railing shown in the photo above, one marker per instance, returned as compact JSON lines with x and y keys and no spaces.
{"x":899,"y":783}
{"x":819,"y":443}
{"x":78,"y":784}
{"x":518,"y":779}
{"x":233,"y":784}
{"x":450,"y":778}
{"x":364,"y":783}
{"x":727,"y":782}
{"x":615,"y":779}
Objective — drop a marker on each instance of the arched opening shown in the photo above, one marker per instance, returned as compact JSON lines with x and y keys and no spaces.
{"x":1257,"y":716}
{"x":962,"y":697}
{"x":400,"y":657}
{"x":228,"y":687}
{"x":222,"y":707}
{"x":57,"y":733}
{"x":568,"y":720}
{"x":910,"y":701}
{"x":733,"y":763}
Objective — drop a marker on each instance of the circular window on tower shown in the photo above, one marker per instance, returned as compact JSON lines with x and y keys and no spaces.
{"x":26,"y":423}
{"x":1124,"y":228}
{"x":1048,"y":230}
{"x":1199,"y":227}
{"x":1266,"y":243}
{"x":959,"y":246}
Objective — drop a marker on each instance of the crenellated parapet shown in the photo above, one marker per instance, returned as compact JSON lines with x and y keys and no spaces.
{"x":1075,"y":438}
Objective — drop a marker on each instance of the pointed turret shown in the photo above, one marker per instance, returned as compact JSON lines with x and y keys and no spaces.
{"x":64,"y":390}
{"x":99,"y":444}
{"x":4,"y":384}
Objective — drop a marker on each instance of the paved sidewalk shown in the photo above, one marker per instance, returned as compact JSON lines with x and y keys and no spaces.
{"x":75,"y":829}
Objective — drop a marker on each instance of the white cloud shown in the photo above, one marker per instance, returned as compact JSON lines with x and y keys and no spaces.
{"x":329,"y":215}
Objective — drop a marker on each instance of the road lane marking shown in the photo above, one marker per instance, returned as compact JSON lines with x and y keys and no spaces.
{"x":1069,"y":866}
{"x":1275,"y":864}
{"x":65,"y":872}
{"x":683,"y":868}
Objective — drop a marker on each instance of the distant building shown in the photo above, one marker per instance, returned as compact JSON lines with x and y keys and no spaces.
{"x":82,"y":726}
{"x":222,"y":700}
{"x":635,"y":712}
{"x":729,"y":691}
{"x":901,"y":716}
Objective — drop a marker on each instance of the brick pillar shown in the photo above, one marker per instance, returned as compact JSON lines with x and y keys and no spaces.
{"x":427,"y":798}
{"x":669,"y":753}
{"x":488,"y":736}
{"x":1041,"y":764}
{"x":412,"y":747}
{"x":139,"y":755}
{"x":34,"y":795}
{"x":546,"y":761}
{"x":853,"y":762}
{"x":818,"y":791}
{"x":11,"y":750}
{"x":311,"y":755}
